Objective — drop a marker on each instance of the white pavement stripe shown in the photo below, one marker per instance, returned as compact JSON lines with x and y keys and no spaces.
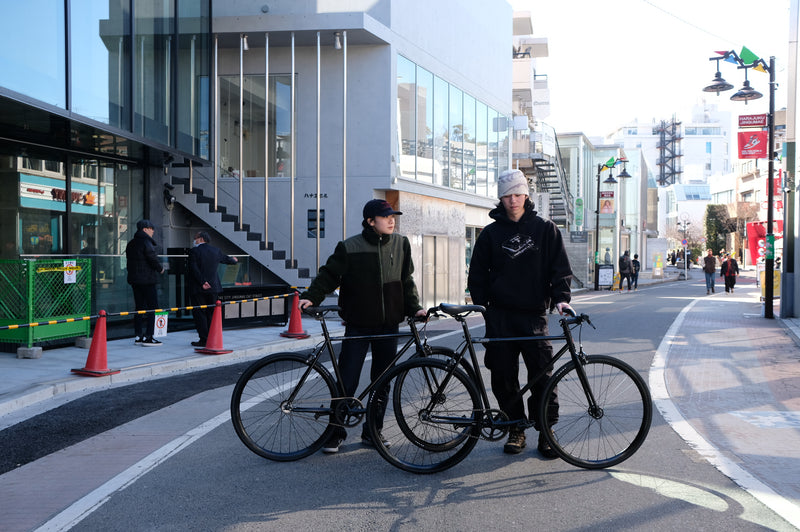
{"x":82,"y":508}
{"x":658,"y":389}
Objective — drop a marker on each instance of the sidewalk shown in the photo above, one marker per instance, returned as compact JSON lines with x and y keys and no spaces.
{"x":727,"y":380}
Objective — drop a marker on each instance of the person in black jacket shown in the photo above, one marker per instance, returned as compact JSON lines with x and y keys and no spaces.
{"x":625,"y":270}
{"x":143,"y":271}
{"x":373,"y":271}
{"x":519,"y":268}
{"x":205,"y":286}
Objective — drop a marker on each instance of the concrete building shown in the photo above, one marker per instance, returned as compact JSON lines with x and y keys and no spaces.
{"x":270,"y":124}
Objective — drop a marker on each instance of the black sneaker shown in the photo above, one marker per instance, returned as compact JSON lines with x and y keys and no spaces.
{"x":199,"y":343}
{"x":332,"y":445}
{"x":151,"y":342}
{"x":544,"y":447}
{"x":139,"y":340}
{"x":515,"y":443}
{"x":366,"y":439}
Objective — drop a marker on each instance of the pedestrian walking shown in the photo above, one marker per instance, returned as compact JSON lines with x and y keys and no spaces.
{"x":143,"y":271}
{"x":373,"y":271}
{"x":519,"y":267}
{"x":204,"y":283}
{"x":729,"y":270}
{"x":636,"y":266}
{"x":625,"y":269}
{"x":710,"y":269}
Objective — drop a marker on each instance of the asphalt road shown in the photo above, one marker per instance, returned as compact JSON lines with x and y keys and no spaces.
{"x":215,"y":483}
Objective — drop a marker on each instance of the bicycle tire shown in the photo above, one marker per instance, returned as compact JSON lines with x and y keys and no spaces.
{"x":262,"y":420}
{"x":411,"y":442}
{"x":610,"y":436}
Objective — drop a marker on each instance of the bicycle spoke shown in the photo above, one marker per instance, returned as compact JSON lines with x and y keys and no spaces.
{"x":591,"y":438}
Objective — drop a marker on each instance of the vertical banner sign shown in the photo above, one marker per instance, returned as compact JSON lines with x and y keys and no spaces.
{"x":70,"y":271}
{"x":753,"y":144}
{"x":579,"y":212}
{"x":161,"y":324}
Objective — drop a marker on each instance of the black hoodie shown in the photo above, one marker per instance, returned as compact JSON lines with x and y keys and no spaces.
{"x":519,"y":265}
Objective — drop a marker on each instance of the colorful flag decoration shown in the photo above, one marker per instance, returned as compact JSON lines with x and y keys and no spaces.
{"x":747,"y":56}
{"x":610,"y":163}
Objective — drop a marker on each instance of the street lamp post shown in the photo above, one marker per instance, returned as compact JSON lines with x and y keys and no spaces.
{"x":609,"y":181}
{"x":745,"y":94}
{"x":684,"y":226}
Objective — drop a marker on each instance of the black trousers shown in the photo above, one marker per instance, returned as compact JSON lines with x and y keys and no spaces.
{"x":202,"y":317}
{"x":502,"y":359}
{"x":354,"y":352}
{"x":145,"y":297}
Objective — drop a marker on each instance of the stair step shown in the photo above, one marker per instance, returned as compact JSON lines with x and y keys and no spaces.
{"x":253,"y":236}
{"x":228,"y":218}
{"x":304,"y":273}
{"x":278,"y":254}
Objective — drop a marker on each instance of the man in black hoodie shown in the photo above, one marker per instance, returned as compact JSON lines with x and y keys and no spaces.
{"x":519,"y":268}
{"x":143,"y":271}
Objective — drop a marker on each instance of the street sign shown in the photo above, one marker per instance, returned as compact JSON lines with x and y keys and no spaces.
{"x":685,"y":242}
{"x":753,"y":120}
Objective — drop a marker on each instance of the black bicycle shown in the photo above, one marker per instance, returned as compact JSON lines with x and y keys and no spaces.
{"x":286,"y":405}
{"x":435,"y":412}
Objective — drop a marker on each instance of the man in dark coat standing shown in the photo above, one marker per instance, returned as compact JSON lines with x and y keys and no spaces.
{"x":143,"y":271}
{"x":519,"y":269}
{"x":205,"y":285}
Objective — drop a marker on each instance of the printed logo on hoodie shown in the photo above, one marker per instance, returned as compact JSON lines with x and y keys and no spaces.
{"x":517,"y":245}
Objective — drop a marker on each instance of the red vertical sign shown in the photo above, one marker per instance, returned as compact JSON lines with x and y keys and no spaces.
{"x":753,"y":144}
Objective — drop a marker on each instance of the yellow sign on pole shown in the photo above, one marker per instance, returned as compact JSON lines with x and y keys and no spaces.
{"x":776,"y":283}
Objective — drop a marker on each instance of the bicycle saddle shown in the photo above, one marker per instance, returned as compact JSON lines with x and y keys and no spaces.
{"x":455,"y":310}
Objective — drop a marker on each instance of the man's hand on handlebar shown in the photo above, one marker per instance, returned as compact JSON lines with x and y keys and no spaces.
{"x":564,"y":308}
{"x":304,"y":304}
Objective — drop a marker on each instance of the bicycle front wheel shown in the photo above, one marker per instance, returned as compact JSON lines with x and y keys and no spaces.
{"x":608,"y":433}
{"x":275,"y":425}
{"x":427,"y":412}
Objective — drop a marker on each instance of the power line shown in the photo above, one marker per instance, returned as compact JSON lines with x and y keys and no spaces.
{"x":684,"y":21}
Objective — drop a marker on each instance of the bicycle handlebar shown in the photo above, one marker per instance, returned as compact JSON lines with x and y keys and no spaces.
{"x":318,"y":312}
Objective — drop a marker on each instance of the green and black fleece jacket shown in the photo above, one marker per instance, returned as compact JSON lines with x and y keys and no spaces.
{"x":374,"y":275}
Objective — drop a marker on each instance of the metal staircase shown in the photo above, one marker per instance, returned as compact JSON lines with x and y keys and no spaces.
{"x":248,"y":241}
{"x":550,"y":179}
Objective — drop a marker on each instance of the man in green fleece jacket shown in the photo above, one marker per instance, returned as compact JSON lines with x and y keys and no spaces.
{"x":373,"y":271}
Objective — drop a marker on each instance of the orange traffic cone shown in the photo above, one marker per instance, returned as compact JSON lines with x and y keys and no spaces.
{"x":97,"y":361}
{"x":295,"y":321}
{"x":214,"y":341}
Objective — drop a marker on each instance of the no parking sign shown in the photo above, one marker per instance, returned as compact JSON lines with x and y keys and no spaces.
{"x":161,"y":324}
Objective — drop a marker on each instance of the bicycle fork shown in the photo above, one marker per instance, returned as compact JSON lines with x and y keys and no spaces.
{"x":580,"y":359}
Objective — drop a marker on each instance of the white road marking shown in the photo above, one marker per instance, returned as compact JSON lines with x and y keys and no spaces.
{"x":658,"y":389}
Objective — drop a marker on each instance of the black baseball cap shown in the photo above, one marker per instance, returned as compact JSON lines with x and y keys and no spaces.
{"x":144,"y":224}
{"x":378,"y":207}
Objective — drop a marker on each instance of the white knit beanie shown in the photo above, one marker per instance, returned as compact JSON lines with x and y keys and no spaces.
{"x":512,"y":182}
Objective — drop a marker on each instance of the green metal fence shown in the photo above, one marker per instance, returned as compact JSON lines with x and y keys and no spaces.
{"x":36,"y":290}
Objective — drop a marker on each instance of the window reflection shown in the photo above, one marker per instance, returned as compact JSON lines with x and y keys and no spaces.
{"x":446,"y":136}
{"x":252,"y":120}
{"x":100,"y":55}
{"x":406,"y":120}
{"x":32,"y":51}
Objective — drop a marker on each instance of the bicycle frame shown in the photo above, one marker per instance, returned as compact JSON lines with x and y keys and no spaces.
{"x":318,"y":313}
{"x":566,"y":336}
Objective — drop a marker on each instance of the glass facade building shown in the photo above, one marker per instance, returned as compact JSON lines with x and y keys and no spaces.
{"x":95,"y":95}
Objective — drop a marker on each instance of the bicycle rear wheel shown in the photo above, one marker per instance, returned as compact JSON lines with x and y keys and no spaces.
{"x":264,"y":419}
{"x":428,"y":413}
{"x":608,"y":435}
